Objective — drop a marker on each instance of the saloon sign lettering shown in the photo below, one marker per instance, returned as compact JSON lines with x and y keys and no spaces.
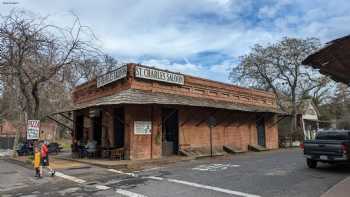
{"x":112,"y":76}
{"x":159,"y":75}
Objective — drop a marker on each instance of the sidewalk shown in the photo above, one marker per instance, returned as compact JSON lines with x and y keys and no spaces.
{"x":341,"y":189}
{"x":55,"y":163}
{"x":126,"y":164}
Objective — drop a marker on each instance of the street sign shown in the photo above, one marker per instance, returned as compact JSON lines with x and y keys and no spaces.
{"x":33,"y":128}
{"x":211,"y":122}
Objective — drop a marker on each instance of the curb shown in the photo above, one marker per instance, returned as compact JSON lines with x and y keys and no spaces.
{"x":20,"y":163}
{"x":133,"y":165}
{"x":117,"y":166}
{"x":338,"y":190}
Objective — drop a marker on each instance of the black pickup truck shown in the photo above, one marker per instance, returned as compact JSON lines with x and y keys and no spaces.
{"x":329,"y":146}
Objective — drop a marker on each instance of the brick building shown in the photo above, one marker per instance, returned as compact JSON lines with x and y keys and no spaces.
{"x":150,"y":113}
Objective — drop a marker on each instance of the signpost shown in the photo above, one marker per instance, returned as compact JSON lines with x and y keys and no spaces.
{"x":211,"y":123}
{"x":33,"y":129}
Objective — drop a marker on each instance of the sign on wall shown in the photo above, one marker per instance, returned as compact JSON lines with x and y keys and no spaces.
{"x":142,"y":127}
{"x":159,"y":75}
{"x":33,"y":128}
{"x":112,"y":76}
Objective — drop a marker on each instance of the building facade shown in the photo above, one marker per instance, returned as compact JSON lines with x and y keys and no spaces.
{"x":151,"y":113}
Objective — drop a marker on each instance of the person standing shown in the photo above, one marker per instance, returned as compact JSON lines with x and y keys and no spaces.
{"x":45,"y":159}
{"x":37,"y":162}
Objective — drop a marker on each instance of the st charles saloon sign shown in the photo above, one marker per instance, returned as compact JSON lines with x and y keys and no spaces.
{"x":159,"y":75}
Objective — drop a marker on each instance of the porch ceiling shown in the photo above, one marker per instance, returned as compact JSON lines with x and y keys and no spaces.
{"x":133,"y":96}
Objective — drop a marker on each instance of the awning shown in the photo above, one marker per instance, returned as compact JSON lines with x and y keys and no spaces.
{"x":133,"y":96}
{"x":333,"y":60}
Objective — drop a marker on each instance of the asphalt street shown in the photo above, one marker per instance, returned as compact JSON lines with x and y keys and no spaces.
{"x":273,"y":173}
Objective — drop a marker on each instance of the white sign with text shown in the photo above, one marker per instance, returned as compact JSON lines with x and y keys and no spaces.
{"x":33,"y":129}
{"x":159,"y":75}
{"x":142,"y":127}
{"x":112,"y":76}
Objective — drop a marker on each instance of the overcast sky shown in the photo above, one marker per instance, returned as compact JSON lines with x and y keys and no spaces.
{"x":197,"y":37}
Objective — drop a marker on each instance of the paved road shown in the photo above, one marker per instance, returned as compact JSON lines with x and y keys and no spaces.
{"x":275,"y":173}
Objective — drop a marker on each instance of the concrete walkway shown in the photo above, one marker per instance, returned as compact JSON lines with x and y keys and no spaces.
{"x":125,"y":164}
{"x":341,"y":189}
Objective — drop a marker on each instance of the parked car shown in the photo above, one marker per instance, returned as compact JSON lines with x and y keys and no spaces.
{"x":24,"y":149}
{"x":329,"y":146}
{"x":54,"y":147}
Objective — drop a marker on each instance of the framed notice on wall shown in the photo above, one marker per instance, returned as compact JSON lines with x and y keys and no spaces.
{"x":142,"y":127}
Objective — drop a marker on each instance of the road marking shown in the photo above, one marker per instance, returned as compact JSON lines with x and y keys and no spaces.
{"x":71,"y":178}
{"x":214,"y":167}
{"x":155,"y":178}
{"x":128,"y":193}
{"x":77,"y":180}
{"x":212,"y":188}
{"x":102,"y":187}
{"x":149,"y":169}
{"x":121,"y":172}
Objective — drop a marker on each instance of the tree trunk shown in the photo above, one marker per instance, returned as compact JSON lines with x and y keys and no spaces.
{"x":294,"y":117}
{"x":15,"y":143}
{"x":17,"y":136}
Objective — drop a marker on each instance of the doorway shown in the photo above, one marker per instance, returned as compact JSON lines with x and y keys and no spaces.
{"x":118,"y":120}
{"x":260,"y":127}
{"x":97,"y":129}
{"x":79,"y":128}
{"x":170,"y":129}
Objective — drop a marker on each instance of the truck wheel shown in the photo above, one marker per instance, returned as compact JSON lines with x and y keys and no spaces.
{"x":311,"y":163}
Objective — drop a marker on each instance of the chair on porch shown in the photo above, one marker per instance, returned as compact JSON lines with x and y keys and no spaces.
{"x":117,"y":154}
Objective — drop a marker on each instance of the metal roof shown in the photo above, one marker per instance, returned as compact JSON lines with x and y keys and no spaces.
{"x":133,"y":96}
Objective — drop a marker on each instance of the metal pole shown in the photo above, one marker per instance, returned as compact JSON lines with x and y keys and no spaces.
{"x":211,"y":143}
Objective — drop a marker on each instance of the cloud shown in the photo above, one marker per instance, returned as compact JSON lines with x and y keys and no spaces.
{"x":209,"y":34}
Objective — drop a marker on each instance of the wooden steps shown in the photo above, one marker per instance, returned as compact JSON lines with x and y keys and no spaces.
{"x":256,"y":148}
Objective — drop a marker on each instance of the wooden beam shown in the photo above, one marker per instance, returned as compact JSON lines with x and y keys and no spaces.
{"x":280,"y":119}
{"x":169,"y":115}
{"x":66,"y":117}
{"x":60,"y":123}
{"x":225,"y":119}
{"x":188,"y":119}
{"x":249,"y":119}
{"x":231,"y":118}
{"x":205,"y":119}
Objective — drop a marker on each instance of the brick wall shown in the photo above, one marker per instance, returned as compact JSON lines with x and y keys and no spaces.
{"x":234,"y":128}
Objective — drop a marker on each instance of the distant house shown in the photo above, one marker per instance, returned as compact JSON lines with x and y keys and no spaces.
{"x":308,"y":116}
{"x":8,"y":129}
{"x":307,"y":122}
{"x":47,"y":130}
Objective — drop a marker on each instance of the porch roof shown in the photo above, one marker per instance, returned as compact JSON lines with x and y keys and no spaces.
{"x":333,"y":60}
{"x":134,"y":96}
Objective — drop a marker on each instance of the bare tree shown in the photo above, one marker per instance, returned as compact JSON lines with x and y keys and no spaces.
{"x":277,"y":67}
{"x":33,"y":52}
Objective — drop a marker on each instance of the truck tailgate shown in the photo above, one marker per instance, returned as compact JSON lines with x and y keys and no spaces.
{"x":323,"y":147}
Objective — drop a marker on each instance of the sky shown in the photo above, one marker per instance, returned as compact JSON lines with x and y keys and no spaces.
{"x":198,"y":37}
